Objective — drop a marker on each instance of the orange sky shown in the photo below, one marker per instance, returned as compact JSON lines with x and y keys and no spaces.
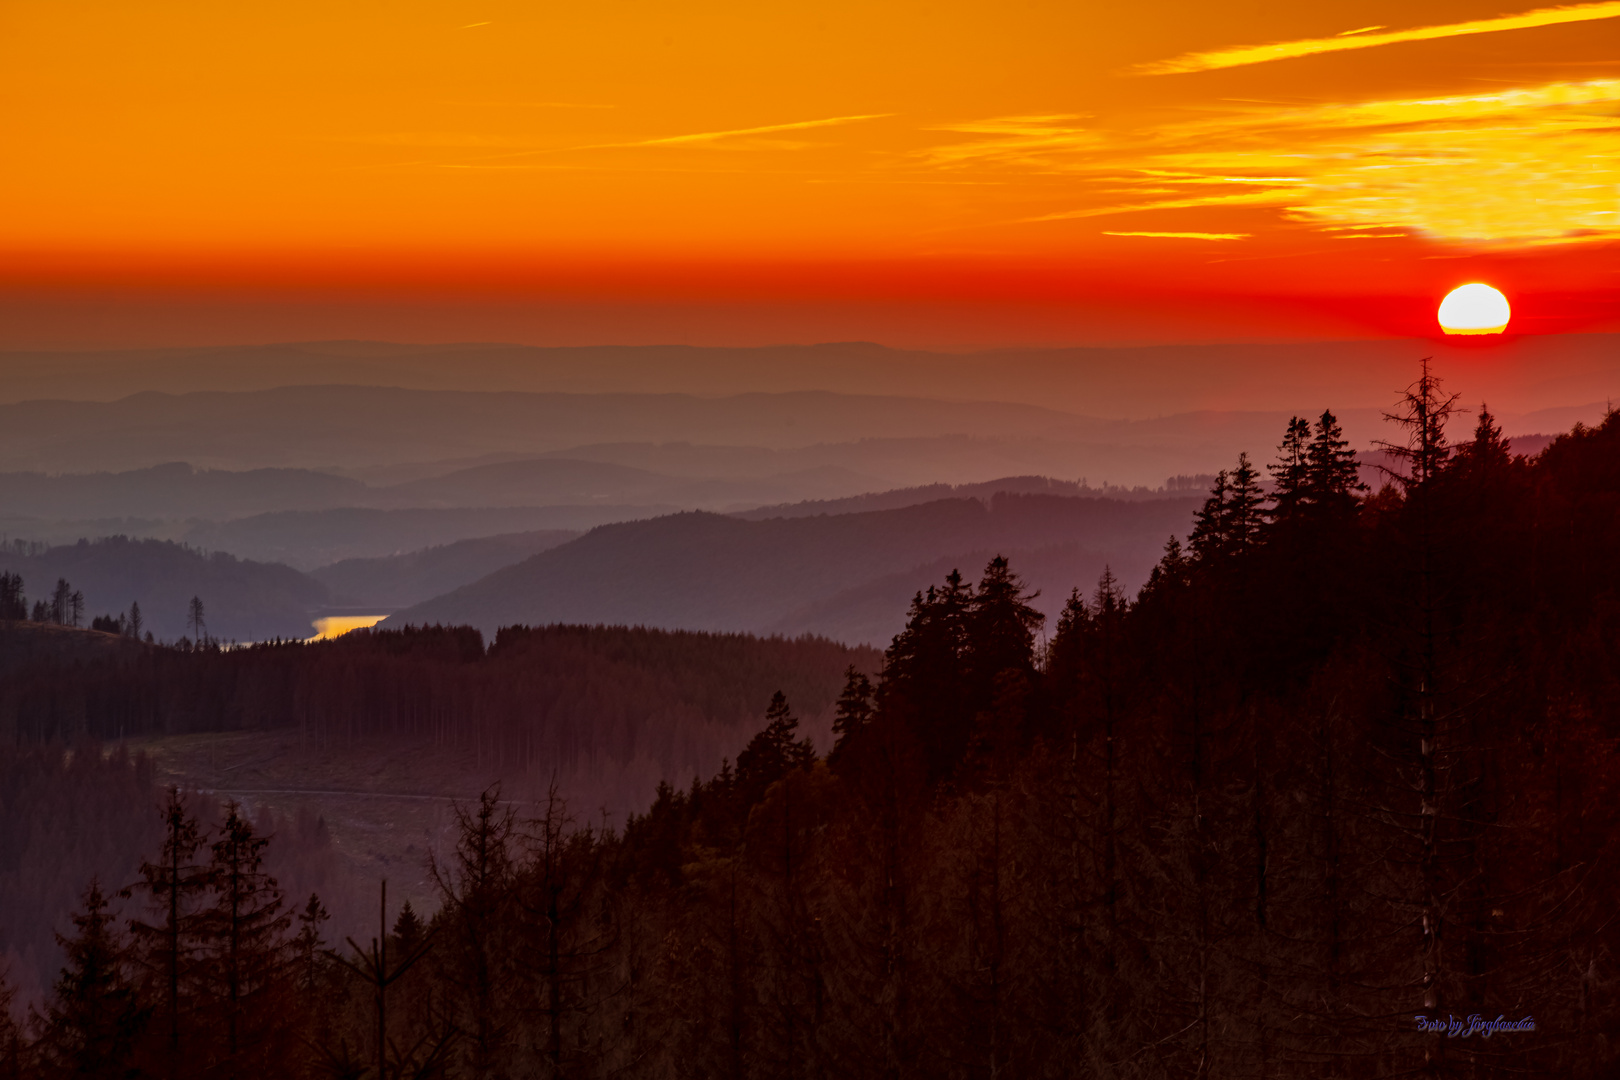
{"x":934,"y":173}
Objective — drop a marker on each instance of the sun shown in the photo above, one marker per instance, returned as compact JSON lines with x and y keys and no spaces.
{"x":1475,"y":308}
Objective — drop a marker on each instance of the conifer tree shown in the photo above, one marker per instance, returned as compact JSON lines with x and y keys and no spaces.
{"x":195,"y":620}
{"x":475,"y":950}
{"x":1210,"y":536}
{"x":168,"y":948}
{"x":773,"y":752}
{"x":1291,"y":472}
{"x":1423,"y":412}
{"x":408,"y":929}
{"x":853,"y":711}
{"x":247,"y":951}
{"x":1332,"y":478}
{"x":308,"y":945}
{"x":1487,"y":458}
{"x":1244,"y":513}
{"x":134,"y":625}
{"x":95,"y":1017}
{"x":924,"y":684}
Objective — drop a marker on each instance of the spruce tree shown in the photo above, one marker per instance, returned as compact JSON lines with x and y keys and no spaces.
{"x":1291,"y":472}
{"x":1001,"y":628}
{"x":774,"y":752}
{"x":1210,"y":536}
{"x":95,"y":1017}
{"x":308,"y":945}
{"x":853,"y":712}
{"x":1332,"y":477}
{"x":167,"y":948}
{"x":247,"y":950}
{"x":1244,"y":506}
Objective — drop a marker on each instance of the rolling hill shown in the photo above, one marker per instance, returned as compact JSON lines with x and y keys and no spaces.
{"x":244,"y":600}
{"x":837,"y":573}
{"x":395,"y":581}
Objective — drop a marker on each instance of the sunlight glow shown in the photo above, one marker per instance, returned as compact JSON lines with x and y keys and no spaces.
{"x":1475,"y":308}
{"x":1356,"y":39}
{"x":337,"y":625}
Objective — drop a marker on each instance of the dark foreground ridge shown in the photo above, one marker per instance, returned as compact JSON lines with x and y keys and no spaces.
{"x":1345,"y":764}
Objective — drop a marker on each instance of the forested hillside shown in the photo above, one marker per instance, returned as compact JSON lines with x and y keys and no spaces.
{"x":817,"y":574}
{"x":242,"y":600}
{"x":1345,"y":765}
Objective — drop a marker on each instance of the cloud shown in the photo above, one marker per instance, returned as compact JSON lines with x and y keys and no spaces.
{"x":715,"y":136}
{"x":1519,"y":167}
{"x":1247,"y":198}
{"x":1186,"y":235}
{"x":1013,"y":139}
{"x":1242,"y":55}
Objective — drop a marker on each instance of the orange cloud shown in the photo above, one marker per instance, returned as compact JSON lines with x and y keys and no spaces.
{"x":1363,"y":39}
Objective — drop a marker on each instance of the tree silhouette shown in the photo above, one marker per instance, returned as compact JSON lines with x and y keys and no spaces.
{"x":194,"y":619}
{"x":170,"y":948}
{"x":94,"y":1018}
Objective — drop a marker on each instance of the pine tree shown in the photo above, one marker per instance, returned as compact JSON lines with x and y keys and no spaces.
{"x":774,"y":752}
{"x":1291,"y":473}
{"x":1001,"y":628}
{"x":1332,"y":477}
{"x":1210,"y":536}
{"x":924,"y":683}
{"x":95,"y":1017}
{"x":247,"y":950}
{"x":308,"y":946}
{"x":195,"y":620}
{"x":168,"y":948}
{"x":1488,"y":457}
{"x":476,"y":889}
{"x":1424,"y":410}
{"x":1244,"y":507}
{"x":408,"y":929}
{"x":853,"y":712}
{"x":134,"y":623}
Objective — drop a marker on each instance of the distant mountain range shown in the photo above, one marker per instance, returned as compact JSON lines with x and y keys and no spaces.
{"x":397,"y":581}
{"x":1522,"y":374}
{"x":847,"y":576}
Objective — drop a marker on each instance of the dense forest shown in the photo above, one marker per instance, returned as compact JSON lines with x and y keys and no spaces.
{"x":540,"y":698}
{"x":1342,"y":769}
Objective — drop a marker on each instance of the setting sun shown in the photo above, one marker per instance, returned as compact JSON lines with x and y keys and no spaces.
{"x":1475,"y":308}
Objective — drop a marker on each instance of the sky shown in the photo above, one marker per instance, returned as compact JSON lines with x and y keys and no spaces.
{"x":931,"y":173}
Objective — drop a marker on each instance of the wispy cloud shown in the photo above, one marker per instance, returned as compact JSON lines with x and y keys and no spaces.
{"x":1185,"y":235}
{"x":1246,"y":198}
{"x":1364,"y":38}
{"x":716,"y":136}
{"x":1522,"y":166}
{"x":1014,"y":140}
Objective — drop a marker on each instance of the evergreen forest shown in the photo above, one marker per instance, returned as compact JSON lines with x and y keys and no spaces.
{"x":1344,"y":767}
